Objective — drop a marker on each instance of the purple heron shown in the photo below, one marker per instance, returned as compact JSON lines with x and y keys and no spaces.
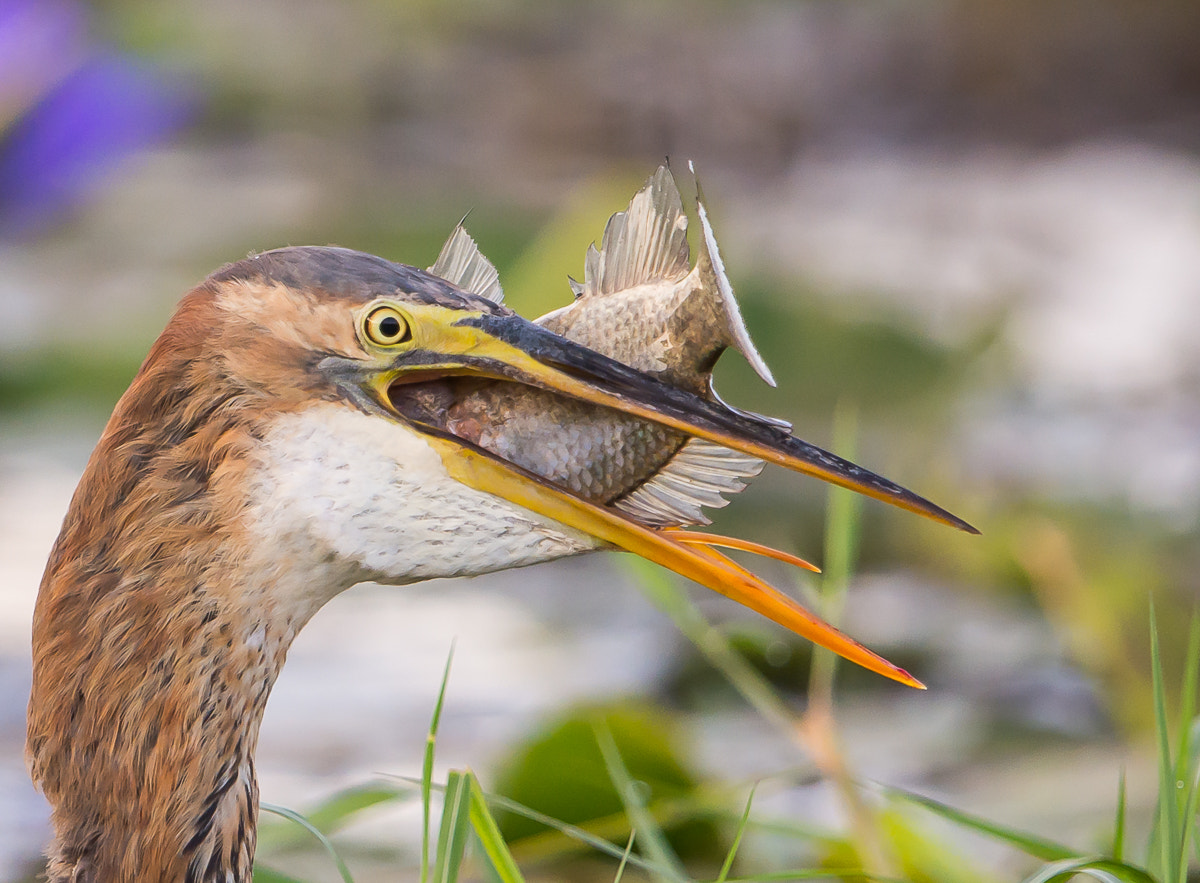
{"x":289,"y":435}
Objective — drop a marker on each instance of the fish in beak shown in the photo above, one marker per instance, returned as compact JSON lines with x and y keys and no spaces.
{"x":642,"y":304}
{"x":601,"y":415}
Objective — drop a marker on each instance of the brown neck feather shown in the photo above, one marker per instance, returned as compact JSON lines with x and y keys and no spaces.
{"x":151,"y":671}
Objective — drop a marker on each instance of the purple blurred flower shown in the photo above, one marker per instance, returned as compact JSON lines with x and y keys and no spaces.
{"x":41,"y":41}
{"x":69,"y":111}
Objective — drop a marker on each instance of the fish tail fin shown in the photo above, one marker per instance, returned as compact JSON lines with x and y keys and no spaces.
{"x":712,"y":275}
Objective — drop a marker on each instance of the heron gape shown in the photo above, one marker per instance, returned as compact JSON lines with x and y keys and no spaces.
{"x":312,"y":418}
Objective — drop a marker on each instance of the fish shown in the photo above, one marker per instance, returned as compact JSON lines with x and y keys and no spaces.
{"x":642,"y":308}
{"x":645,"y":310}
{"x":644,"y":304}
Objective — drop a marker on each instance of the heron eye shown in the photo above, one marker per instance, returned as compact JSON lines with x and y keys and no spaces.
{"x":386,"y":326}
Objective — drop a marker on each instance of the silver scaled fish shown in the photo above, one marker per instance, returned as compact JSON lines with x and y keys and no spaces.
{"x":642,"y":309}
{"x":643,"y":304}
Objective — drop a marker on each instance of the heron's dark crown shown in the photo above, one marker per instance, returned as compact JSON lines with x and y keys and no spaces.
{"x":349,"y":275}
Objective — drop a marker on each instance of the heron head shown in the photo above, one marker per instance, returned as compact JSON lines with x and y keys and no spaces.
{"x":376,"y":350}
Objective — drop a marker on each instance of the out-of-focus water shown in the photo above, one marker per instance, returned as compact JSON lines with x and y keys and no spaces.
{"x":840,"y":160}
{"x":1097,"y":351}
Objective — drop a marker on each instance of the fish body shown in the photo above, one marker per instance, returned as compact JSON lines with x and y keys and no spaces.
{"x":642,"y":304}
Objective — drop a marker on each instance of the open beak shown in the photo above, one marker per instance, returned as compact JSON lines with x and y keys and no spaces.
{"x":484,"y":471}
{"x":505,"y":346}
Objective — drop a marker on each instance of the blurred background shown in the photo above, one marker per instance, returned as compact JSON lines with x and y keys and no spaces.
{"x":972,"y":224}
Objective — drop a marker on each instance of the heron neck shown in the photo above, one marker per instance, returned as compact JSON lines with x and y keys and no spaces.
{"x":143,"y":740}
{"x":151,"y":661}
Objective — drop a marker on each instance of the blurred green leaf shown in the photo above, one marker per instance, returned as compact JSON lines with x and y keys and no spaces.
{"x":665,"y":593}
{"x":657,"y":849}
{"x":1038,"y":847}
{"x":93,"y":376}
{"x":1118,"y":848}
{"x":427,"y":765}
{"x":300,"y":820}
{"x":923,"y":857}
{"x":330,"y":815}
{"x":885,"y":367}
{"x":1163,"y":857}
{"x":841,"y":549}
{"x":573,"y":833}
{"x":810,"y":874}
{"x":336,"y":811}
{"x":737,"y":838}
{"x":561,"y":773}
{"x":1187,"y":701}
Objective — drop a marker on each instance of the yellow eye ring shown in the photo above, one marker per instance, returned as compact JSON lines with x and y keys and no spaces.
{"x":386,"y":326}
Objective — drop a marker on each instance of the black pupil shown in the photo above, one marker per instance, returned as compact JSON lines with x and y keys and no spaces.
{"x":389,"y":326}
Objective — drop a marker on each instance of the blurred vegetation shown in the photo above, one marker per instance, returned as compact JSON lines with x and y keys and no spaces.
{"x":602,"y":775}
{"x":579,"y":790}
{"x":1087,"y":568}
{"x":402,"y":116}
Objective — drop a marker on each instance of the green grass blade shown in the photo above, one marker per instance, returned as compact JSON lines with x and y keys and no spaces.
{"x":1038,"y":847}
{"x":300,"y":820}
{"x":336,"y":811}
{"x":1105,"y":870}
{"x":1193,"y":806}
{"x":1187,"y":702}
{"x":331,"y":814}
{"x":454,"y":829}
{"x":574,"y":832}
{"x":821,"y":838}
{"x":1186,"y":765}
{"x":737,"y":837}
{"x":490,"y":839}
{"x":625,"y":857}
{"x":842,"y":521}
{"x":841,"y":549}
{"x":427,"y":766}
{"x":655,"y":844}
{"x":667,"y":596}
{"x":1118,"y":847}
{"x":1186,"y":821}
{"x":1168,"y":836}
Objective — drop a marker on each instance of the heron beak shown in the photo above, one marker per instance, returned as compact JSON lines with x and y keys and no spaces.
{"x":505,"y":346}
{"x":448,"y":342}
{"x":485,"y":472}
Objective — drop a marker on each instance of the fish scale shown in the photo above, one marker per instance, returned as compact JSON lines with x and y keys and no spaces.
{"x":595,"y":452}
{"x":643,"y":304}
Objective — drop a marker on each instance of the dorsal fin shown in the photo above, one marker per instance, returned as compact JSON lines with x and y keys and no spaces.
{"x":645,"y":243}
{"x":712,"y":270}
{"x":461,"y":263}
{"x":696,"y":476}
